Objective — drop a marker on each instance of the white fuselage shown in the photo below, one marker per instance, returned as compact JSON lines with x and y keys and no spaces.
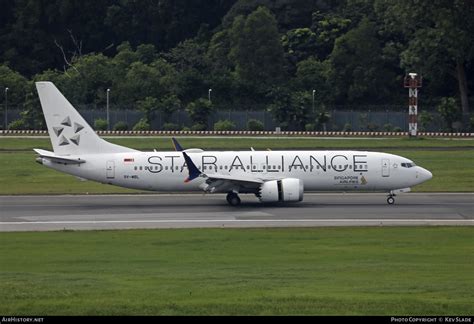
{"x":319,"y":170}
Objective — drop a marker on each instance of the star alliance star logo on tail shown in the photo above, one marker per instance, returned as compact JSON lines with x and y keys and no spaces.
{"x":63,"y":140}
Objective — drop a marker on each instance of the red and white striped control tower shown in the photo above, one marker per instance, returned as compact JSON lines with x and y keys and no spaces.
{"x":412,"y":81}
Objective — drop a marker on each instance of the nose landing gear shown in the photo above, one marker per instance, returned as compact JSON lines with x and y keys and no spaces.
{"x":233,"y":199}
{"x":390,"y":199}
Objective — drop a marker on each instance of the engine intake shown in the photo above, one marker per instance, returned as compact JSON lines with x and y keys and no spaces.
{"x":289,"y":189}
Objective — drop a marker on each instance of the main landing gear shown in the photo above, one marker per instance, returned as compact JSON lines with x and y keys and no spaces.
{"x":233,"y":199}
{"x":390,"y":199}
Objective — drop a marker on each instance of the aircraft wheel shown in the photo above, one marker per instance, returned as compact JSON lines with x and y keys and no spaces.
{"x":233,"y":199}
{"x":390,"y":200}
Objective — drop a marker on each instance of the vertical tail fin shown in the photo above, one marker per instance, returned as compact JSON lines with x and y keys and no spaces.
{"x":70,"y":134}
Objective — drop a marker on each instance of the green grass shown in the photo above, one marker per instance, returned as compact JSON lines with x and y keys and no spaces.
{"x":346,"y":271}
{"x":229,"y":143}
{"x":453,"y":171}
{"x":450,"y":161}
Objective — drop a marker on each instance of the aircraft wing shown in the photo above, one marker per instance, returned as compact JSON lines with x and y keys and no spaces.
{"x":58,"y":159}
{"x":217,"y":182}
{"x":226,"y":183}
{"x":233,"y":178}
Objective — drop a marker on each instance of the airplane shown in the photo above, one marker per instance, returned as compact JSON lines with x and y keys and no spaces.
{"x":272,"y":176}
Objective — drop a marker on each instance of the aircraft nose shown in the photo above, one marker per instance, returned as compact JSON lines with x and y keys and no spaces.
{"x":425,"y":175}
{"x":429,"y":175}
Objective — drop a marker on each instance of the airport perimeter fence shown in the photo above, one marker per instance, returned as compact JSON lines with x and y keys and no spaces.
{"x":249,"y":133}
{"x":394,"y":119}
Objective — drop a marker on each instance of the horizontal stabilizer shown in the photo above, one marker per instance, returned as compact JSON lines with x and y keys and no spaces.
{"x":58,"y":159}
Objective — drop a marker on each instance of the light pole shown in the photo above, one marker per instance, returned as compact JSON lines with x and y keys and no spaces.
{"x":314,"y":91}
{"x":108,"y":119}
{"x":6,"y":108}
{"x":209,"y":95}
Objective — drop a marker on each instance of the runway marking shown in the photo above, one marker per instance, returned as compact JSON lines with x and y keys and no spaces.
{"x":245,"y":221}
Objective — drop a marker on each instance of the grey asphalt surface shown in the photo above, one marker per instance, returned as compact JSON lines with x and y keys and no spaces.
{"x":98,"y":212}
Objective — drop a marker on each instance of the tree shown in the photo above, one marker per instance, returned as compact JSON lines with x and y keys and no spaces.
{"x":221,"y":78}
{"x":190,"y":61}
{"x":439,"y":34}
{"x":31,"y":114}
{"x":37,"y":27}
{"x":256,"y":50}
{"x":299,"y":44}
{"x":146,"y":53}
{"x":141,"y":73}
{"x":141,"y":81}
{"x":167,"y":106}
{"x":188,"y":55}
{"x":448,"y":109}
{"x":162,"y":23}
{"x":30,"y":30}
{"x":89,"y":77}
{"x":291,"y":109}
{"x":327,"y":27}
{"x":359,"y":71}
{"x":312,"y":74}
{"x":148,"y":106}
{"x":17,"y":86}
{"x":218,"y":51}
{"x":125,"y":56}
{"x":199,"y":111}
{"x":424,"y":120}
{"x":290,"y":14}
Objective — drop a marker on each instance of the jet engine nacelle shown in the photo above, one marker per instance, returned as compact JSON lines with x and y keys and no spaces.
{"x":281,"y":190}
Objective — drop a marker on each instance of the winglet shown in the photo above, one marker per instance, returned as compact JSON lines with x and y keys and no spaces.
{"x":177,"y":147}
{"x":193,"y":170}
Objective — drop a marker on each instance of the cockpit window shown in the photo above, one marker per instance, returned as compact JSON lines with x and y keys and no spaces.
{"x":408,"y":165}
